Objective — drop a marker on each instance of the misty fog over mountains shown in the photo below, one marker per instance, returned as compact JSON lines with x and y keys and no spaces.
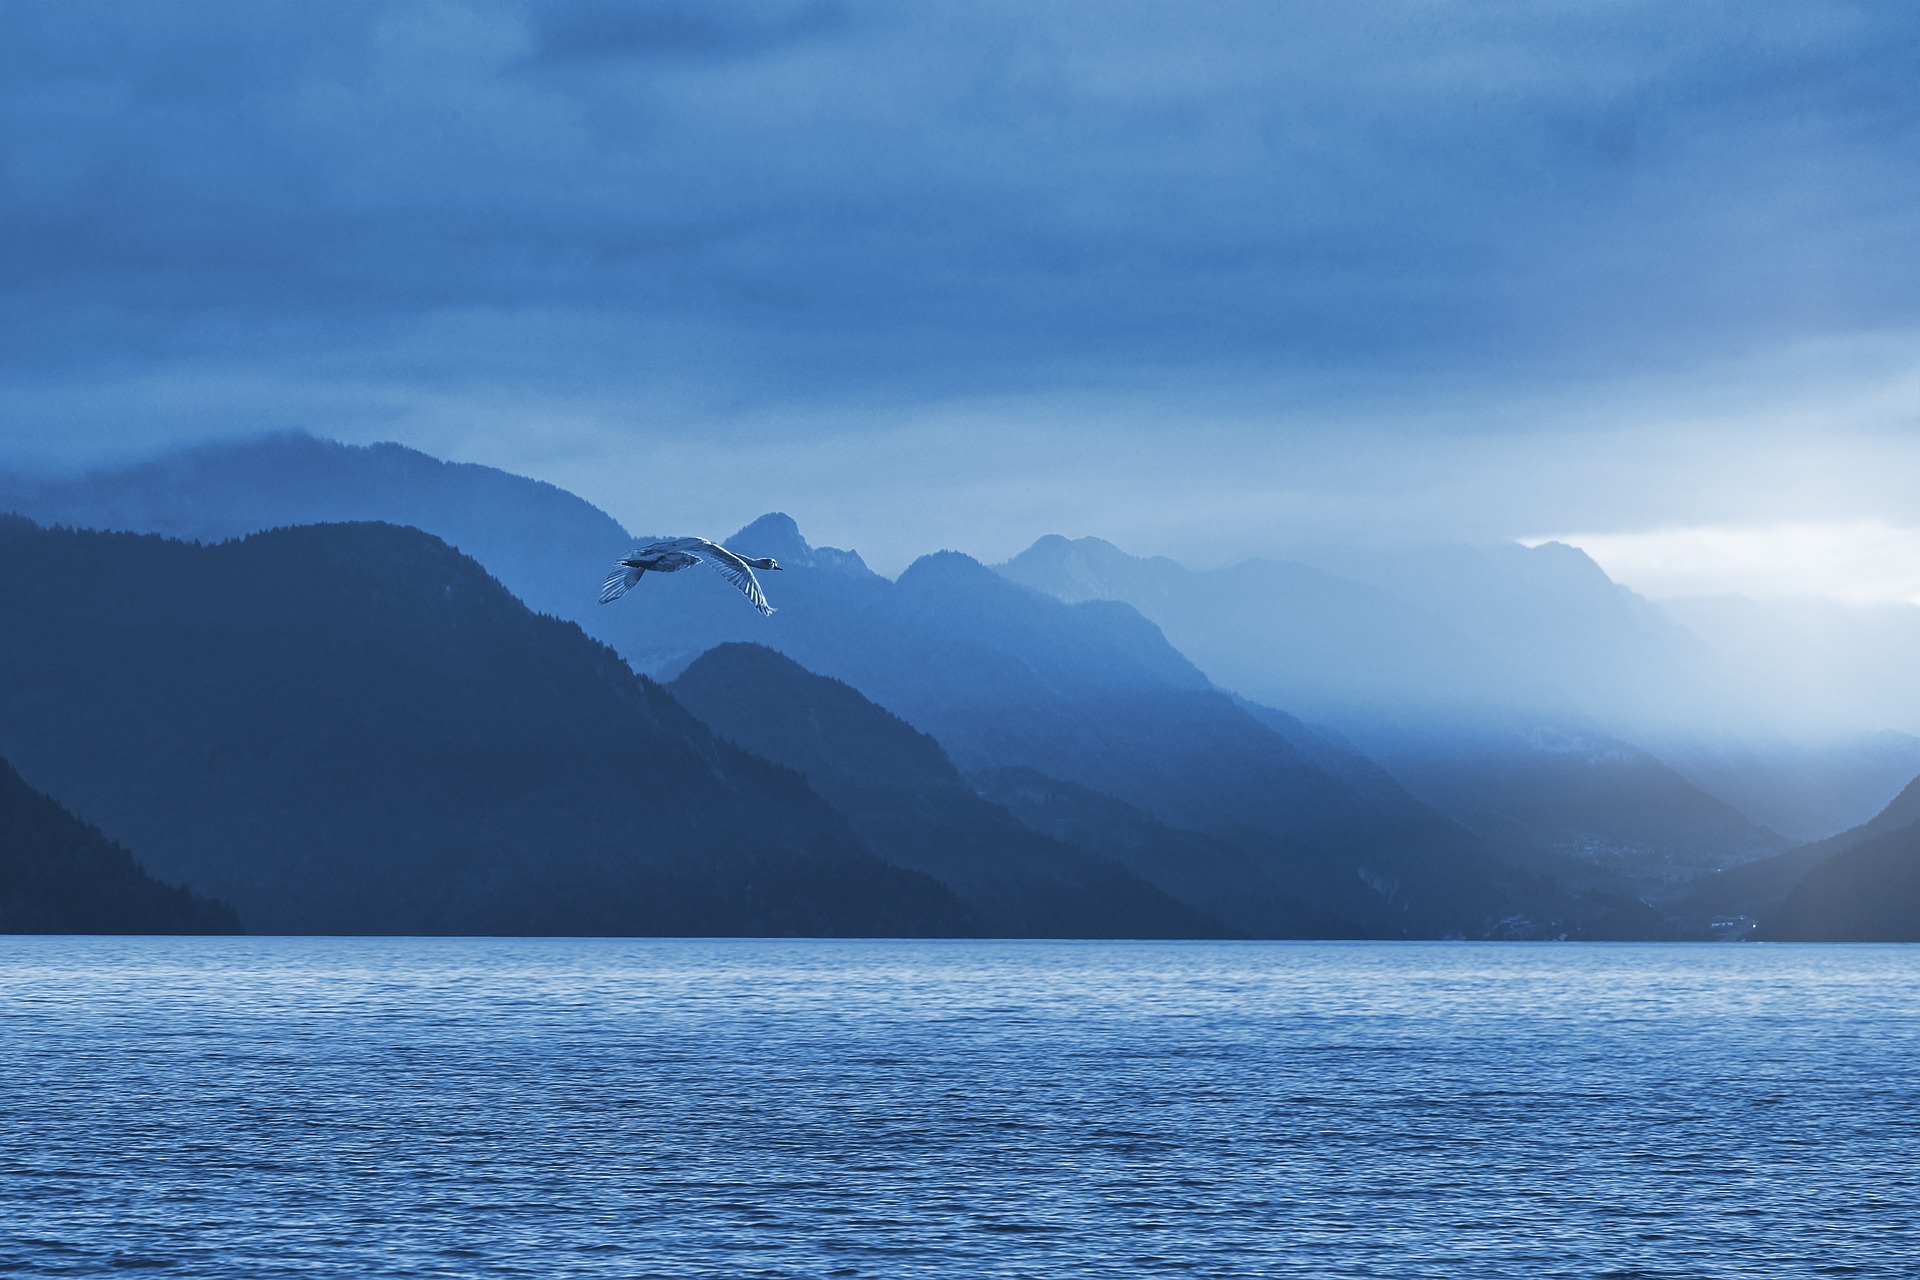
{"x":358,"y":689}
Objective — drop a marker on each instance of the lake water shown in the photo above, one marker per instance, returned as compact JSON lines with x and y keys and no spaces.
{"x":376,"y":1107}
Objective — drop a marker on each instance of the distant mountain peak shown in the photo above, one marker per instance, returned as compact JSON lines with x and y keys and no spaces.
{"x":950,"y":569}
{"x":946,"y":562}
{"x":777,"y":534}
{"x":1056,"y":544}
{"x":1088,"y":546}
{"x":1077,"y":569}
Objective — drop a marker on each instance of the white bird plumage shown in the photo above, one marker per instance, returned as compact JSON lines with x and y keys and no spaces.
{"x":675,"y":554}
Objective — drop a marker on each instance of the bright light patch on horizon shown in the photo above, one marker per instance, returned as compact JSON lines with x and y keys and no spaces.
{"x":1865,"y":562}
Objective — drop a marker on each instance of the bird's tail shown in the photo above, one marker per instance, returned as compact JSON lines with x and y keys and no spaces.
{"x":619,"y":582}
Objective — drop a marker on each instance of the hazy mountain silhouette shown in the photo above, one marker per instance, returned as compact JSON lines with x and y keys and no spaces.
{"x":1456,"y":671}
{"x":59,"y":875}
{"x":1368,"y":638}
{"x":1739,"y":896}
{"x":353,"y":728}
{"x":1558,"y":627}
{"x":1862,"y":886}
{"x":1211,"y":873}
{"x":1375,"y":642}
{"x":1415,"y":634}
{"x":905,"y":797}
{"x":1285,"y":633}
{"x":1340,"y":759}
{"x":1004,"y":677}
{"x":1559,"y":791}
{"x":1804,"y":790}
{"x":541,"y":541}
{"x":1092,"y":694}
{"x":1758,"y":705}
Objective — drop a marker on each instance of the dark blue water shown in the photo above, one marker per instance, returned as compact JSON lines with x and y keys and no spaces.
{"x":373,"y":1108}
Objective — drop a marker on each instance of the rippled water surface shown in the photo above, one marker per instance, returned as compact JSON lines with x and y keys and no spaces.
{"x":378,"y":1107}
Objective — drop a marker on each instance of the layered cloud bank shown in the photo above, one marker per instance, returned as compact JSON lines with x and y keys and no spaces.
{"x":1200,"y":279}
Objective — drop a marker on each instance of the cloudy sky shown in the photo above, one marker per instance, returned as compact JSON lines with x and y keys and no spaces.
{"x":1204,"y":278}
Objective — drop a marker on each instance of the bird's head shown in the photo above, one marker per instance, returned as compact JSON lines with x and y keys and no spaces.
{"x":764,"y":562}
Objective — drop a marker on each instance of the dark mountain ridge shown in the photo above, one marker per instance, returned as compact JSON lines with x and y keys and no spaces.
{"x":353,"y":728}
{"x":531,"y":535}
{"x":903,"y":795}
{"x":1864,"y":886}
{"x":1005,"y":677}
{"x":60,"y":875}
{"x":1860,"y":885}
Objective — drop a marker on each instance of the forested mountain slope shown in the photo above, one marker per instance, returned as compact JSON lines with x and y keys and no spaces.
{"x":353,"y":728}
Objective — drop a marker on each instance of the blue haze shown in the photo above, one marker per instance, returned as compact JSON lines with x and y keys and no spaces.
{"x":377,"y":1108}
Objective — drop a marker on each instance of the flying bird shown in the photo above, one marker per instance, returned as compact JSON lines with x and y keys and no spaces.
{"x":676,"y":554}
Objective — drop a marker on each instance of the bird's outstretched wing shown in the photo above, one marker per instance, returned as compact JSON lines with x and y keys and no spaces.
{"x":729,"y":566}
{"x":655,"y":557}
{"x":619,"y":582}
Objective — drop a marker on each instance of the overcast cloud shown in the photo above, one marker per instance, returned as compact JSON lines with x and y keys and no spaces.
{"x":1202,"y":278}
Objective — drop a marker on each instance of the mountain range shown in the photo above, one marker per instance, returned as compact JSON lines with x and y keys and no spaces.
{"x":1077,"y":743}
{"x":354,"y":729}
{"x":1092,"y":694}
{"x":1000,"y":675}
{"x":531,"y":535}
{"x":1516,"y":689}
{"x":901,"y":792}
